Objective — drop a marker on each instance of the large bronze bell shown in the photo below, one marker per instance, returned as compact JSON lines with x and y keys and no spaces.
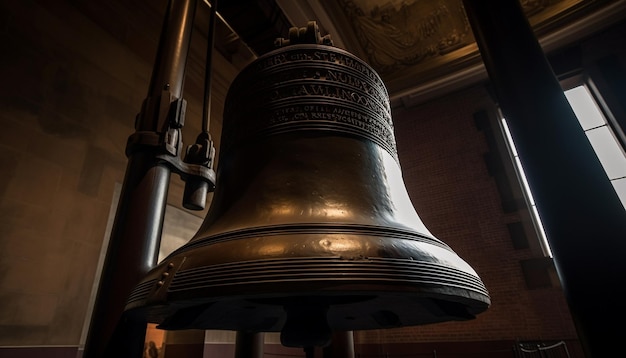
{"x":311,"y":229}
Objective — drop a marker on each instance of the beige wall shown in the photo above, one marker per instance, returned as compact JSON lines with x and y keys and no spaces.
{"x":70,"y":95}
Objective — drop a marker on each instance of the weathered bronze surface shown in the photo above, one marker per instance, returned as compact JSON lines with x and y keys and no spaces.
{"x":311,"y":229}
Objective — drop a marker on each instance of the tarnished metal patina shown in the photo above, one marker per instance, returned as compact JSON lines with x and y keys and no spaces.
{"x":311,"y":229}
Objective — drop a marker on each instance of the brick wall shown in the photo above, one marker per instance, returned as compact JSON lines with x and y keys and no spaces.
{"x":441,"y":152}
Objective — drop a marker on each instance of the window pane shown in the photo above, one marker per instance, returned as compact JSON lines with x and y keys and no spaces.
{"x":585,"y":107}
{"x":620,"y":188}
{"x":608,"y":151}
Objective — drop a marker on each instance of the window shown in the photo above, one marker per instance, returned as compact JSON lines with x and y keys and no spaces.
{"x":601,"y":136}
{"x":603,"y":140}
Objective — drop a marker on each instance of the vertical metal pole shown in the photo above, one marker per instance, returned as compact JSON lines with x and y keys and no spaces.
{"x":342,"y":346}
{"x":584,"y":219}
{"x":249,"y":344}
{"x":136,"y":234}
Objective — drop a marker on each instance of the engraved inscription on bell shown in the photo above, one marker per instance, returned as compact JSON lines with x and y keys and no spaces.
{"x":304,"y":88}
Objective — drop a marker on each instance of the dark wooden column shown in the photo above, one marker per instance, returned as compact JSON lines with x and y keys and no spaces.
{"x":584,"y":220}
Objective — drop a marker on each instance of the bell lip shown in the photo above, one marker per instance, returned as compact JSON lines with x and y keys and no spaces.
{"x":184,"y":282}
{"x":427,"y":308}
{"x":340,"y":293}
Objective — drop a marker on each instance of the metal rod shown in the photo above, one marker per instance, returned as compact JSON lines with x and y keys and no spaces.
{"x":309,"y":352}
{"x":584,"y":219}
{"x":208,"y":72}
{"x":136,"y":234}
{"x":342,"y":346}
{"x":249,"y":344}
{"x":171,"y":59}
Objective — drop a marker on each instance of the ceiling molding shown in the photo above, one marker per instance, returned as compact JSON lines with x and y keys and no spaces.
{"x":473,"y":73}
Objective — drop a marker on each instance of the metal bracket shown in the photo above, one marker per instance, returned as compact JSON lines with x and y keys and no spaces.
{"x":166,"y":141}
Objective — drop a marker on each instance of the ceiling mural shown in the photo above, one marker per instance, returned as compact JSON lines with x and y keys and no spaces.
{"x":421,"y":38}
{"x":397,"y":33}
